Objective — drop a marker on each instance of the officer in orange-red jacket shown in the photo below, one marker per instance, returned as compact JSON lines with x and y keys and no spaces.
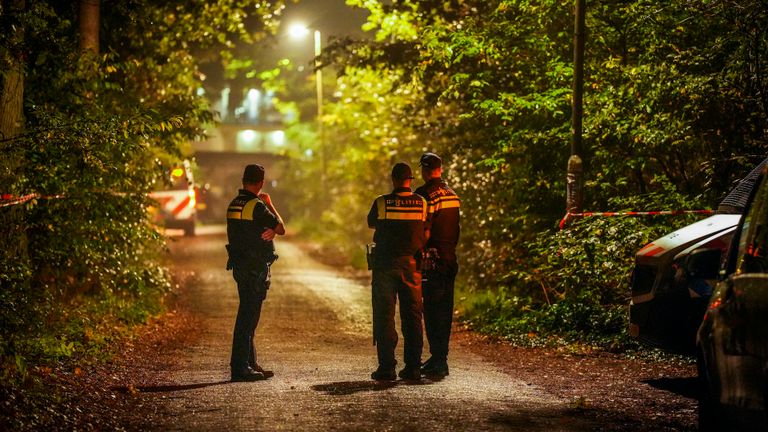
{"x":439,"y":277}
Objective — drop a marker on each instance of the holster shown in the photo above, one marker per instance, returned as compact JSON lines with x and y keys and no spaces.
{"x":370,"y":256}
{"x":230,"y":265}
{"x":429,"y":257}
{"x":245,"y":259}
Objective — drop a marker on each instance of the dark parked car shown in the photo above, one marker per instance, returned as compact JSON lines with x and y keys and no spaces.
{"x":670,"y":290}
{"x":732,"y":343}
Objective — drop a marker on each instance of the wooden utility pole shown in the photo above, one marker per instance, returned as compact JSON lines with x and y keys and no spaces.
{"x":89,"y":25}
{"x":575,"y":178}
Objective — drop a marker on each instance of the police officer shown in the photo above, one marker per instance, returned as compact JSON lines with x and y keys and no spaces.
{"x":399,"y":221}
{"x":440,"y":271}
{"x":252,"y":223}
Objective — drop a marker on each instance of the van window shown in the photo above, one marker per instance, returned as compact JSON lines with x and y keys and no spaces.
{"x":753,"y":242}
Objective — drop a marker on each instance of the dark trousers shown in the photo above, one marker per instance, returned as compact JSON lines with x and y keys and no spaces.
{"x":438,"y":306}
{"x":252,"y":286}
{"x":393,"y":279}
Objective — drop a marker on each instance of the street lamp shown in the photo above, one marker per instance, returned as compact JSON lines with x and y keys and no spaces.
{"x":300,"y":31}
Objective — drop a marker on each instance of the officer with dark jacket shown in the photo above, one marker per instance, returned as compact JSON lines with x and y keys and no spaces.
{"x":440,"y":271}
{"x":252,"y":223}
{"x":399,"y":220}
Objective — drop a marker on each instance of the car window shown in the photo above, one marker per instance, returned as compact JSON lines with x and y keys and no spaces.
{"x":753,"y":242}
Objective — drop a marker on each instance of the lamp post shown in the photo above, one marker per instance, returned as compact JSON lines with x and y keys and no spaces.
{"x":298,"y":31}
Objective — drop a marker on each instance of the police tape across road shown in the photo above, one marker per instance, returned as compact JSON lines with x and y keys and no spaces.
{"x":7,"y":200}
{"x":568,"y":216}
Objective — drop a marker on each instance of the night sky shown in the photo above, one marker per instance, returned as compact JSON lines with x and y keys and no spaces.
{"x":331,"y":17}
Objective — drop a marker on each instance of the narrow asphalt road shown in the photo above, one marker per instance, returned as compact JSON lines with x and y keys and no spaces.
{"x":315,"y":334}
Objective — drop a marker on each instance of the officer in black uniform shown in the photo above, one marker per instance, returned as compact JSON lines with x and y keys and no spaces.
{"x":399,"y":220}
{"x":441,"y":268}
{"x":252,"y":223}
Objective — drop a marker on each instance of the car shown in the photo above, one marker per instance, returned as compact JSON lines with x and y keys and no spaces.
{"x":669,"y":295}
{"x":732,"y":341}
{"x":177,"y":204}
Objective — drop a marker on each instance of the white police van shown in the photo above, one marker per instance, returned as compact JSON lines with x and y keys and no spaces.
{"x":671,"y":282}
{"x":177,"y":205}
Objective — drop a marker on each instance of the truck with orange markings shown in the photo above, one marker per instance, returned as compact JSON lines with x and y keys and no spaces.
{"x":177,"y":204}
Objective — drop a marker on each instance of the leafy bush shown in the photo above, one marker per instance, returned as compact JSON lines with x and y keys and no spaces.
{"x":91,"y":136}
{"x":575,"y":282}
{"x":487,"y":84}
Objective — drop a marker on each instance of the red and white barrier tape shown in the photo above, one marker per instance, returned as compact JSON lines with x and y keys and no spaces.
{"x":633,"y":213}
{"x":7,"y":200}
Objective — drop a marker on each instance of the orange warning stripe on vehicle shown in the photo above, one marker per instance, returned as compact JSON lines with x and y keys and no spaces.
{"x":650,"y":250}
{"x":182,"y":205}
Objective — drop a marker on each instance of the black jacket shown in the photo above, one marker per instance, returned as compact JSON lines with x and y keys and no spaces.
{"x":247,"y":218}
{"x":399,"y":219}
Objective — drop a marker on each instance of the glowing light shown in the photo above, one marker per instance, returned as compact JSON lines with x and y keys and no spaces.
{"x":248,"y":136}
{"x":177,"y":172}
{"x":278,"y":138}
{"x":254,"y":96}
{"x":298,"y":30}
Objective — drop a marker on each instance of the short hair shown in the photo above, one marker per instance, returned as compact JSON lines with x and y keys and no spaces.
{"x":253,"y":174}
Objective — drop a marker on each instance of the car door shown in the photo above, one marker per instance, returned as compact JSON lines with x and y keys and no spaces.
{"x":747,"y":303}
{"x":735,"y":331}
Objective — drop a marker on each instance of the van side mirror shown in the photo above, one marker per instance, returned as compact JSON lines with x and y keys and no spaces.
{"x":704,"y":263}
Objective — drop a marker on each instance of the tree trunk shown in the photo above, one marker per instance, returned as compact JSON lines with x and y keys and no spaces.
{"x":14,"y":254}
{"x":12,"y":82}
{"x":89,"y":25}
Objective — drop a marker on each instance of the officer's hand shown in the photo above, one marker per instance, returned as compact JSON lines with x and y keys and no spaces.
{"x":265,"y":197}
{"x":268,"y":234}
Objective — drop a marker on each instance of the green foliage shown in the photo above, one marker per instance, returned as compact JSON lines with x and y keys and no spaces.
{"x":365,"y":131}
{"x":82,"y":264}
{"x":575,"y":282}
{"x":675,"y":111}
{"x":576,"y":321}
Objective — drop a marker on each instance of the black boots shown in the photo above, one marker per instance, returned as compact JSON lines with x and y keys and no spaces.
{"x":383,"y":375}
{"x":247,"y":375}
{"x":435,"y":368}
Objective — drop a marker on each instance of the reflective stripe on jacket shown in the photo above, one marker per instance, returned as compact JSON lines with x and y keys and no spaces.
{"x":399,"y":219}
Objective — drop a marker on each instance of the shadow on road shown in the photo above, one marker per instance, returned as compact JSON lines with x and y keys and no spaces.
{"x":350,"y":387}
{"x":686,"y":387}
{"x":522,"y":419}
{"x":166,"y":388}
